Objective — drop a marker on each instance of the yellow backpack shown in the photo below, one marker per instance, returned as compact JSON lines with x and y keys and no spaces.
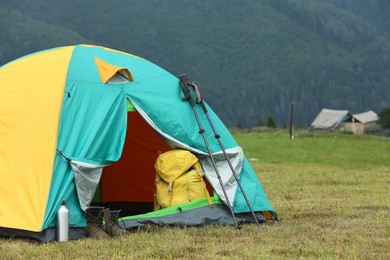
{"x":179,"y":179}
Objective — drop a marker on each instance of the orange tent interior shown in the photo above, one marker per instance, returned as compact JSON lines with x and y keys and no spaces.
{"x":128,"y":184}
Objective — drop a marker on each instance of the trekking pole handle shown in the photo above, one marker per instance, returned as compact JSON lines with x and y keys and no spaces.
{"x":184,"y":88}
{"x":197,"y":95}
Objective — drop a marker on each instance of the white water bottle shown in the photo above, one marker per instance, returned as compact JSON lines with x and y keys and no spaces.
{"x":63,"y":223}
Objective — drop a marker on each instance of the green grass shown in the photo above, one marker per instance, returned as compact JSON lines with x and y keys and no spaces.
{"x":331,"y":192}
{"x":316,"y":148}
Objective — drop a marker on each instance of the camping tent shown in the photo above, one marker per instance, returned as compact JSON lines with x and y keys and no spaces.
{"x":85,"y":124}
{"x":329,"y":120}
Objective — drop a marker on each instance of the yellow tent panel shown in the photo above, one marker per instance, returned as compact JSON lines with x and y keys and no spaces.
{"x":28,"y":131}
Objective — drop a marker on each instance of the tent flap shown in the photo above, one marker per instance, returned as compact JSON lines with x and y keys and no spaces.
{"x":87,"y":177}
{"x":107,"y":71}
{"x":236,"y":157}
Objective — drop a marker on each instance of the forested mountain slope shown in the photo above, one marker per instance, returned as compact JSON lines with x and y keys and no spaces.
{"x":250,"y":58}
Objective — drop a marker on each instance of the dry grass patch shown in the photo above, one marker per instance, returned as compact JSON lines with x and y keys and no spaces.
{"x":331,"y":193}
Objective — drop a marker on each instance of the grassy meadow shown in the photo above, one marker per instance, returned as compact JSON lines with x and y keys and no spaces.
{"x":331,"y":193}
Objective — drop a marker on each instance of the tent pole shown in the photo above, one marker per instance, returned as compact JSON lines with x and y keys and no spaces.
{"x":198,"y":99}
{"x":187,"y":97}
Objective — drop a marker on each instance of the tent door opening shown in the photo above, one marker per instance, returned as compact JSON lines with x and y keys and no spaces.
{"x":128,"y":184}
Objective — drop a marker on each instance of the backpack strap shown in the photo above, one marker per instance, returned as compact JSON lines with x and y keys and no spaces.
{"x":206,"y":192}
{"x":156,"y":205}
{"x":208,"y":196}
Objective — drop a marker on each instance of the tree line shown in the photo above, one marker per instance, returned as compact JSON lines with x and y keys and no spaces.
{"x":251,"y":59}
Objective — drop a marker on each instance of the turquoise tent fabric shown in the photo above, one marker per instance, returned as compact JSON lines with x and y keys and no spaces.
{"x":94,"y":119}
{"x":92,"y":129}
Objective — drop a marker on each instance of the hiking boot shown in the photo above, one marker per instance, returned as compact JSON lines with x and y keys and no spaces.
{"x":95,"y":223}
{"x":111,"y":223}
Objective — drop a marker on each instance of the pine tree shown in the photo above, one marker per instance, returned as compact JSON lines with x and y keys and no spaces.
{"x":271,"y":122}
{"x":384,"y":118}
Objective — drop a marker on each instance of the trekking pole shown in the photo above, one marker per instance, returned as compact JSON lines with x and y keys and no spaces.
{"x":199,"y":100}
{"x":187,"y":97}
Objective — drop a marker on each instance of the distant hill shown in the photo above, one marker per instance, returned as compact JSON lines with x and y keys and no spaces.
{"x":250,"y":58}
